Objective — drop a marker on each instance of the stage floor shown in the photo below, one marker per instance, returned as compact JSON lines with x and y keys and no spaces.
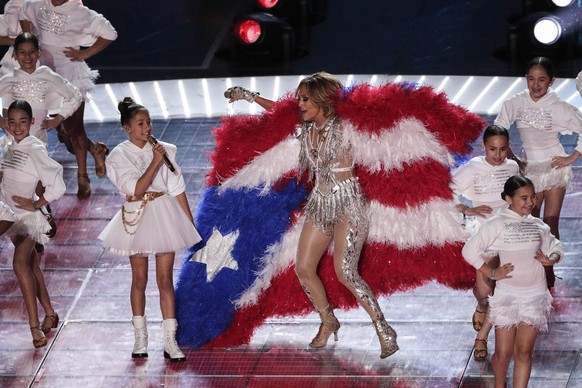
{"x":90,"y":289}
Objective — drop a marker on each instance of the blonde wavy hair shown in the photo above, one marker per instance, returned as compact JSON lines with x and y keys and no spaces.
{"x":321,"y":87}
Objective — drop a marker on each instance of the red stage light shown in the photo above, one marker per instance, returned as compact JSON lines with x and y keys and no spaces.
{"x":267,"y":4}
{"x":248,"y":31}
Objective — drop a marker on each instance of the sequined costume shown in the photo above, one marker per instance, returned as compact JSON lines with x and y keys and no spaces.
{"x":333,"y":200}
{"x":68,"y":25}
{"x":539,"y":124}
{"x":44,"y":90}
{"x":25,"y":164}
{"x":523,"y":297}
{"x":482,"y":184}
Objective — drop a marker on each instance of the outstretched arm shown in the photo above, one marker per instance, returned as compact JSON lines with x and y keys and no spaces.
{"x":236,"y":93}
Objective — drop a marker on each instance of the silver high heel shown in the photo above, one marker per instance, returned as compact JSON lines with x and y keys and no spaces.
{"x":387,"y":336}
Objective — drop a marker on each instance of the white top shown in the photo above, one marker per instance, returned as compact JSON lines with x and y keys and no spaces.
{"x":482,"y":183}
{"x":579,"y":83}
{"x":540,"y":123}
{"x":517,"y":239}
{"x":9,"y":23}
{"x":23,"y":165}
{"x":10,"y":27}
{"x":127,"y":163}
{"x":44,"y":90}
{"x":68,"y":25}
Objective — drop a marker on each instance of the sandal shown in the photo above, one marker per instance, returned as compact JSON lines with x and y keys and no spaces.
{"x":50,"y":322}
{"x":99,"y":154}
{"x":480,"y":353}
{"x":38,"y":342}
{"x":84,"y":183}
{"x":478,"y":322}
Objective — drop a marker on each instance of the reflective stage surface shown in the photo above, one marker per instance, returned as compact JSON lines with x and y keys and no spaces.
{"x":92,"y":345}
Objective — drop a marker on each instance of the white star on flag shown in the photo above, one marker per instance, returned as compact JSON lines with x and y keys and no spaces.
{"x":217,"y":254}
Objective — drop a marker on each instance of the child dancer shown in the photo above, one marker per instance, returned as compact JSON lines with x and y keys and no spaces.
{"x":25,"y":163}
{"x":521,"y":304}
{"x":540,"y":116}
{"x":9,"y":29}
{"x":62,"y":27}
{"x":41,"y":87}
{"x":155,"y":219}
{"x":481,"y":180}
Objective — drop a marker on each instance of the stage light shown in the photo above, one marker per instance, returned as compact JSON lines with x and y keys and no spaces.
{"x":267,"y":4}
{"x":262,"y":38}
{"x":298,"y":13}
{"x":547,"y":30}
{"x":563,"y":3}
{"x":248,"y":30}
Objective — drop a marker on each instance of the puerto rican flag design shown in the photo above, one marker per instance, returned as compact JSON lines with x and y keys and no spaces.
{"x":405,"y":139}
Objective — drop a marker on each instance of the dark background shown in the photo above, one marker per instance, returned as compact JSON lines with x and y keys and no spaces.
{"x":179,"y":39}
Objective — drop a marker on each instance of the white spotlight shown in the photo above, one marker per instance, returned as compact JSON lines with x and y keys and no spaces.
{"x":563,"y":3}
{"x":547,"y":30}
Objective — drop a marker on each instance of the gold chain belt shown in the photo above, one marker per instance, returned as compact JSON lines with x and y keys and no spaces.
{"x":148,"y":196}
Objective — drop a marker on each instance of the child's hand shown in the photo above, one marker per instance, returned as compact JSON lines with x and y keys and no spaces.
{"x":545,"y":260}
{"x":24,"y":203}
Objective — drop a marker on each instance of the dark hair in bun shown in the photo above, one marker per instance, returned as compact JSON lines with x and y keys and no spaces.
{"x":128,"y":108}
{"x":513,"y":184}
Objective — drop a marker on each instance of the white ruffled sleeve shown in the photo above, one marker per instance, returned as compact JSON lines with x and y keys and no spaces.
{"x":50,"y":173}
{"x":478,"y":243}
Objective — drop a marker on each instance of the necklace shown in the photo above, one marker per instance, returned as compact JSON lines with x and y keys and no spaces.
{"x":318,"y":137}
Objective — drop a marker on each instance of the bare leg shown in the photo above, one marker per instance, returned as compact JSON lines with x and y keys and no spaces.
{"x":139,"y":281}
{"x":554,"y":198}
{"x":41,"y":290}
{"x":75,"y":129}
{"x":522,"y":356}
{"x":165,"y":280}
{"x":26,"y":280}
{"x":504,"y":344}
{"x":4,"y":226}
{"x":312,"y":245}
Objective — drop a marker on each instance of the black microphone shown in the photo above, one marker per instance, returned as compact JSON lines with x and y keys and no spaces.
{"x":152,"y":140}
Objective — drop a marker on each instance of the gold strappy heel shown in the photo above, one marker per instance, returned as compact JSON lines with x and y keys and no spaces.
{"x":38,"y":342}
{"x":329,"y":325}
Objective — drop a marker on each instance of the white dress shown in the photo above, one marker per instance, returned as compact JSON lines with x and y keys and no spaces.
{"x":539,"y":124}
{"x":68,"y":25}
{"x":10,"y":27}
{"x":482,"y":184}
{"x":523,"y":298}
{"x":162,"y":224}
{"x":23,"y":165}
{"x":44,"y":90}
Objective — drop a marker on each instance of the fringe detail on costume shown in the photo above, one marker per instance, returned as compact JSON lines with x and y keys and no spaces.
{"x":32,"y":225}
{"x":507,"y":311}
{"x":544,"y":177}
{"x":324,"y":210}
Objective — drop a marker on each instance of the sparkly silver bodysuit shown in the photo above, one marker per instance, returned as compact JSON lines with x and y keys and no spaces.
{"x":334,"y":200}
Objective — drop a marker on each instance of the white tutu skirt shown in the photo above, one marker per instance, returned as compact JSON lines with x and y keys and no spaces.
{"x":163,"y":227}
{"x":32,"y":225}
{"x":544,"y":177}
{"x":510,"y":310}
{"x":80,"y":75}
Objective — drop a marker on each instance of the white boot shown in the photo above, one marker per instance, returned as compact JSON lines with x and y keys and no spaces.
{"x":140,"y":348}
{"x":171,"y":349}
